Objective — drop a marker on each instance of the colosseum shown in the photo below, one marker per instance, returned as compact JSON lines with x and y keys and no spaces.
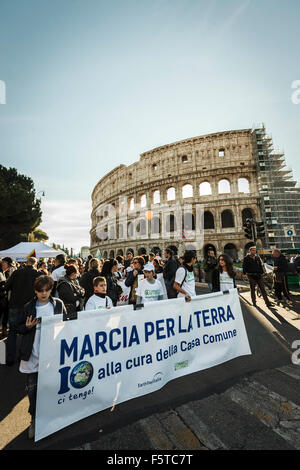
{"x":191,"y":194}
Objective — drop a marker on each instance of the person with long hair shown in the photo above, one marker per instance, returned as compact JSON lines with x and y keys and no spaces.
{"x":86,"y":280}
{"x":136,"y":274}
{"x":109,"y":268}
{"x":223,"y":277}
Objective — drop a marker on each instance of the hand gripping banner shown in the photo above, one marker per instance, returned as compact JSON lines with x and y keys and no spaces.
{"x":106,"y":357}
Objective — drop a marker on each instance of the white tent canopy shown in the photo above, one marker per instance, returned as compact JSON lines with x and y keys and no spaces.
{"x":23,"y":249}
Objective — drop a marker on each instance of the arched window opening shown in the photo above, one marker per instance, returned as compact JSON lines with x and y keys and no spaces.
{"x":209,"y":222}
{"x":130,"y":229}
{"x":189,"y":221}
{"x":246,"y":214}
{"x":243,"y":185}
{"x":207,"y":248}
{"x":230,"y":250}
{"x":227,"y":219}
{"x":156,"y":197}
{"x":171,"y":225}
{"x":131,"y":204}
{"x":187,"y":191}
{"x":171,"y":194}
{"x":155,"y":225}
{"x":205,"y":189}
{"x":224,"y":187}
{"x":173,"y":248}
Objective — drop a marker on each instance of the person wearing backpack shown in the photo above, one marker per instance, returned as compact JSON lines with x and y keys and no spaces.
{"x":184,"y":282}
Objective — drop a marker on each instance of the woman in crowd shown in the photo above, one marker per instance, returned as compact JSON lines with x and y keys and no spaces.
{"x":133,"y":277}
{"x":110,"y":267}
{"x":70,"y":291}
{"x":223,"y":278}
{"x":86,"y":280}
{"x":42,"y":268}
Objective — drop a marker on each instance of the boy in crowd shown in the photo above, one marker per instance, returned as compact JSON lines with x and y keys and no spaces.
{"x":149,"y":289}
{"x":99,"y":299}
{"x":29,"y":326}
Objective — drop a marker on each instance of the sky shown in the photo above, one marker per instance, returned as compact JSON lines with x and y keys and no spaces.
{"x":91,"y":84}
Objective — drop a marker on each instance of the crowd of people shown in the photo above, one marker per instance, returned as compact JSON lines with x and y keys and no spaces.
{"x":29,"y":291}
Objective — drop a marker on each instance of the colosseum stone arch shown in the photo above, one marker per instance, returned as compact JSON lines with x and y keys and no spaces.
{"x":216,"y":172}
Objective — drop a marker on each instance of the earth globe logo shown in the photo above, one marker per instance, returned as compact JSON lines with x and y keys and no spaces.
{"x":82,"y":374}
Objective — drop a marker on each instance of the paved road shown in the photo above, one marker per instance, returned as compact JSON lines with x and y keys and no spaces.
{"x":251,"y":402}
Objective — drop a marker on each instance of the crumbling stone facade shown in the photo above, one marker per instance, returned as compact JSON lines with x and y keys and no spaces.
{"x":215,"y":173}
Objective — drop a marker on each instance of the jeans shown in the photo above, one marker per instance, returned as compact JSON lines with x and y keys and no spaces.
{"x":281,"y":288}
{"x":210,"y":286}
{"x":31,"y":389}
{"x":260,"y":283}
{"x":11,"y":344}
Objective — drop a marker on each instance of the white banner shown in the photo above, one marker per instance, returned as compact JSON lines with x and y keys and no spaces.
{"x":105,"y":358}
{"x":124,"y":297}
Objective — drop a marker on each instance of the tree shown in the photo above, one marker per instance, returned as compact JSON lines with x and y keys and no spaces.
{"x":20,"y":211}
{"x":38,"y":235}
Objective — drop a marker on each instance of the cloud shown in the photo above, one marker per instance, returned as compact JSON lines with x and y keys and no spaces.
{"x":67,"y":222}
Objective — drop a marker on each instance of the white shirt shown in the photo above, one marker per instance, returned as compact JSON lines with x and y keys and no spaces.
{"x":189,"y":282}
{"x":58,"y":273}
{"x":95,"y":302}
{"x":32,"y":365}
{"x":149,"y":291}
{"x":226,"y":282}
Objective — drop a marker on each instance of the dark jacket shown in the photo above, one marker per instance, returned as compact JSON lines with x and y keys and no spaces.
{"x":169,"y":270}
{"x":282,"y":267}
{"x":113,"y":290}
{"x":29,"y":333}
{"x":169,"y":273}
{"x":132,"y":281}
{"x":216,"y":281}
{"x":21,"y":283}
{"x":209,"y":266}
{"x":253,"y":265}
{"x":71,"y":293}
{"x":86,"y":281}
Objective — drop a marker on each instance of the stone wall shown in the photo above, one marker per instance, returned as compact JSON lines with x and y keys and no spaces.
{"x":204,"y":159}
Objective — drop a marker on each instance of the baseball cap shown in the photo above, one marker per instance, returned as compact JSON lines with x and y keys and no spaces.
{"x":149,"y":267}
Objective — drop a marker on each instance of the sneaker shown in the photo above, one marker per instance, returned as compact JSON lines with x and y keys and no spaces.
{"x":31,"y":429}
